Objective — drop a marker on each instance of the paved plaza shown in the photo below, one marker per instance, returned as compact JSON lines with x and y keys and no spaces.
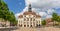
{"x":39,"y":29}
{"x":32,"y":29}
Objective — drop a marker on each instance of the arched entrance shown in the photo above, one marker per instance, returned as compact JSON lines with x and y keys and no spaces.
{"x":38,"y":25}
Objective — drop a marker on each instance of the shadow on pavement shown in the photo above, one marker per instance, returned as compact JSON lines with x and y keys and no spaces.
{"x":8,"y":29}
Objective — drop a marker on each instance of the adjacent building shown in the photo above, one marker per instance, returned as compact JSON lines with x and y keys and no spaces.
{"x":29,"y":19}
{"x":4,"y":23}
{"x":49,"y":22}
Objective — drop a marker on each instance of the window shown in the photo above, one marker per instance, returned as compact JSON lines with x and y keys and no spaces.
{"x":27,"y":19}
{"x":34,"y":16}
{"x":31,"y":19}
{"x":31,"y":25}
{"x":19,"y":21}
{"x":24,"y":22}
{"x":31,"y":22}
{"x":24,"y":25}
{"x":24,"y":19}
{"x":37,"y":21}
{"x":27,"y":25}
{"x":20,"y":25}
{"x":39,"y":24}
{"x":27,"y":22}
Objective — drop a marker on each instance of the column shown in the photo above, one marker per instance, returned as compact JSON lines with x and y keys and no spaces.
{"x":40,"y":22}
{"x":26,"y":23}
{"x":22,"y":23}
{"x":18,"y":23}
{"x":32,"y":23}
{"x":35,"y":23}
{"x":29,"y":22}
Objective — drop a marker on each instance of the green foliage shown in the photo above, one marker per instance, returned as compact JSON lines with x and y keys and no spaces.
{"x":5,"y":13}
{"x":43,"y":22}
{"x":55,"y":17}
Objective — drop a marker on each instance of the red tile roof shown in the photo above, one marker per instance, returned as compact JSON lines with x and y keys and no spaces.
{"x":38,"y":16}
{"x":21,"y":16}
{"x":27,"y":13}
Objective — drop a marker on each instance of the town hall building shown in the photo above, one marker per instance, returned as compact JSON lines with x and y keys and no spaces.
{"x":29,"y":19}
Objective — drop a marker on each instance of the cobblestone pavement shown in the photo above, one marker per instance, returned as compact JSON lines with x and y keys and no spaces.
{"x":39,"y":29}
{"x":33,"y":29}
{"x":8,"y":29}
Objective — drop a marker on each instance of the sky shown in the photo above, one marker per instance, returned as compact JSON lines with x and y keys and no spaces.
{"x":15,"y":5}
{"x":44,"y":8}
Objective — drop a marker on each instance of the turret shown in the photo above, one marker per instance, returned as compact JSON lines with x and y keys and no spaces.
{"x":29,"y":8}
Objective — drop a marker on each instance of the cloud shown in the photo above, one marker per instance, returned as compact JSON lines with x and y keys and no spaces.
{"x":43,"y":14}
{"x":50,"y":11}
{"x":44,"y":3}
{"x":49,"y":16}
{"x":42,"y":7}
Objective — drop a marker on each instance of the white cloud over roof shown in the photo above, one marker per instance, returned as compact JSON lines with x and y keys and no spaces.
{"x":42,"y":7}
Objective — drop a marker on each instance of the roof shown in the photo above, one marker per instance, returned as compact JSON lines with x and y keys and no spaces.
{"x":27,"y":13}
{"x":21,"y":16}
{"x":38,"y":16}
{"x":48,"y":19}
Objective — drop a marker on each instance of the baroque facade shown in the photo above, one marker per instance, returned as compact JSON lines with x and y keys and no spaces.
{"x":29,"y":19}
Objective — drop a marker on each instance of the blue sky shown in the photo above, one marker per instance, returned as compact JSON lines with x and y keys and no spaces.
{"x":15,"y":5}
{"x":45,"y":8}
{"x":18,"y":5}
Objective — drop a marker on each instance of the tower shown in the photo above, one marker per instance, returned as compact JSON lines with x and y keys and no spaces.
{"x":29,"y":8}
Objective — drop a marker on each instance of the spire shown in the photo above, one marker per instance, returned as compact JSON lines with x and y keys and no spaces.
{"x":29,"y":8}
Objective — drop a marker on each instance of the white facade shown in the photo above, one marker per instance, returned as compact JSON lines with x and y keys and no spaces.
{"x":29,"y":21}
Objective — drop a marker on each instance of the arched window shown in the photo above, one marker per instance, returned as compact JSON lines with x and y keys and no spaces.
{"x":24,"y":25}
{"x":31,"y":19}
{"x":24,"y":19}
{"x":27,"y":19}
{"x":27,"y":25}
{"x":20,"y":25}
{"x":31,"y":25}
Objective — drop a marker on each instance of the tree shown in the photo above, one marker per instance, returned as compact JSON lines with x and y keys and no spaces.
{"x":12,"y":18}
{"x":55,"y":18}
{"x":5,"y":13}
{"x":43,"y":22}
